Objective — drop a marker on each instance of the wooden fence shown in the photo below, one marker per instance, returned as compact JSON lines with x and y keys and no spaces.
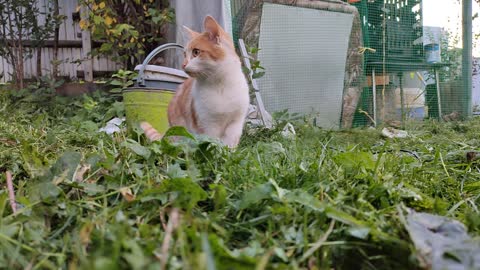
{"x":71,"y":50}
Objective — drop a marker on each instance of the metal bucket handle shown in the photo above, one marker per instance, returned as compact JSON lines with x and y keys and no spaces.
{"x":141,"y":75}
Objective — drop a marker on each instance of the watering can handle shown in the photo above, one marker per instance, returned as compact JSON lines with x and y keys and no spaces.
{"x":141,"y":77}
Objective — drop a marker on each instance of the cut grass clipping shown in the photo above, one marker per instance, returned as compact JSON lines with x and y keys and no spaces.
{"x":319,"y":200}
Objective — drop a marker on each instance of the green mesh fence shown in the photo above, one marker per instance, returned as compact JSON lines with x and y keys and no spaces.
{"x":354,"y":64}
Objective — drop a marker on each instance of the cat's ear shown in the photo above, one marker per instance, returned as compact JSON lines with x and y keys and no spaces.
{"x":213,"y":29}
{"x":189,"y":33}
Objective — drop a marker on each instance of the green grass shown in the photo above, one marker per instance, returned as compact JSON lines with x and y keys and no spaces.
{"x":323,"y":200}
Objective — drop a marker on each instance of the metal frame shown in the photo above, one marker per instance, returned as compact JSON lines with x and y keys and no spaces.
{"x":266,"y":118}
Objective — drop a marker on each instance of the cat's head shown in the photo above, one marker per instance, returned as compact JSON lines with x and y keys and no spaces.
{"x":206,"y":52}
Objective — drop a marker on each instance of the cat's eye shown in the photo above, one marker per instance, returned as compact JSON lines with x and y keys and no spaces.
{"x":195,"y":52}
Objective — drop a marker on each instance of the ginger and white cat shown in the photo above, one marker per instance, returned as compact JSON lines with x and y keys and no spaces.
{"x":215,"y":99}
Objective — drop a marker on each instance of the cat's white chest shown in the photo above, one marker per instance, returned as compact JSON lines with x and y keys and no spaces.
{"x":222,"y":102}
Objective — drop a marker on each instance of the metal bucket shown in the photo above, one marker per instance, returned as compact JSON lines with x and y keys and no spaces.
{"x":155,"y":87}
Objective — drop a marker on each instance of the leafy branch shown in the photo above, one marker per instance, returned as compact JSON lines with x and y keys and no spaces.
{"x":127,"y":29}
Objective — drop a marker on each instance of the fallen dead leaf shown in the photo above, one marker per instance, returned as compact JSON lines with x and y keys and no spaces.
{"x":127,"y":194}
{"x":8,"y":141}
{"x":85,"y":232}
{"x":81,"y":172}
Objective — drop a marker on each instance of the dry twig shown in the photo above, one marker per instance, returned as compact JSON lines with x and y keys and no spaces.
{"x":319,"y":243}
{"x":11,"y":192}
{"x":173,"y":223}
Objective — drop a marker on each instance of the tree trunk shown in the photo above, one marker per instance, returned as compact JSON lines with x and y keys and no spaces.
{"x":39,"y":63}
{"x":17,"y":55}
{"x":20,"y":57}
{"x":20,"y":66}
{"x":56,"y":13}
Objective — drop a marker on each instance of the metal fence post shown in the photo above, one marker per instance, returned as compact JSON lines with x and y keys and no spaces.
{"x":467,"y":65}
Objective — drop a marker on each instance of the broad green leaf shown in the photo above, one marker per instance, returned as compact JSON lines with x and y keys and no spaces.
{"x":135,"y":257}
{"x":137,"y":148}
{"x":9,"y":230}
{"x":355,"y":160}
{"x":343,"y":217}
{"x":220,"y":196}
{"x":302,"y":197}
{"x":92,"y":189}
{"x":274,"y":148}
{"x":154,"y":194}
{"x":97,"y":19}
{"x":106,"y":47}
{"x":257,"y":75}
{"x":116,"y":83}
{"x":178,"y":131}
{"x":45,"y":191}
{"x":187,"y":193}
{"x":255,"y":195}
{"x":174,"y":171}
{"x":32,"y":161}
{"x":88,"y":126}
{"x":64,"y":167}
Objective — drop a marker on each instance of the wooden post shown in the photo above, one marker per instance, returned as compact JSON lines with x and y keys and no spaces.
{"x":86,"y":49}
{"x":439,"y":101}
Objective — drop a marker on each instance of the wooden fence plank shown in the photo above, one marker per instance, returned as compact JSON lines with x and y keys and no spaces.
{"x":86,"y":50}
{"x":74,"y":44}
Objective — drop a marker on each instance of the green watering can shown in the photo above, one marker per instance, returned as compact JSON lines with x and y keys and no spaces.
{"x":155,"y":87}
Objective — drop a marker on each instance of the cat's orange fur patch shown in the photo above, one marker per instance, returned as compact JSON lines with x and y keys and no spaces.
{"x":206,"y":47}
{"x":178,"y":113}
